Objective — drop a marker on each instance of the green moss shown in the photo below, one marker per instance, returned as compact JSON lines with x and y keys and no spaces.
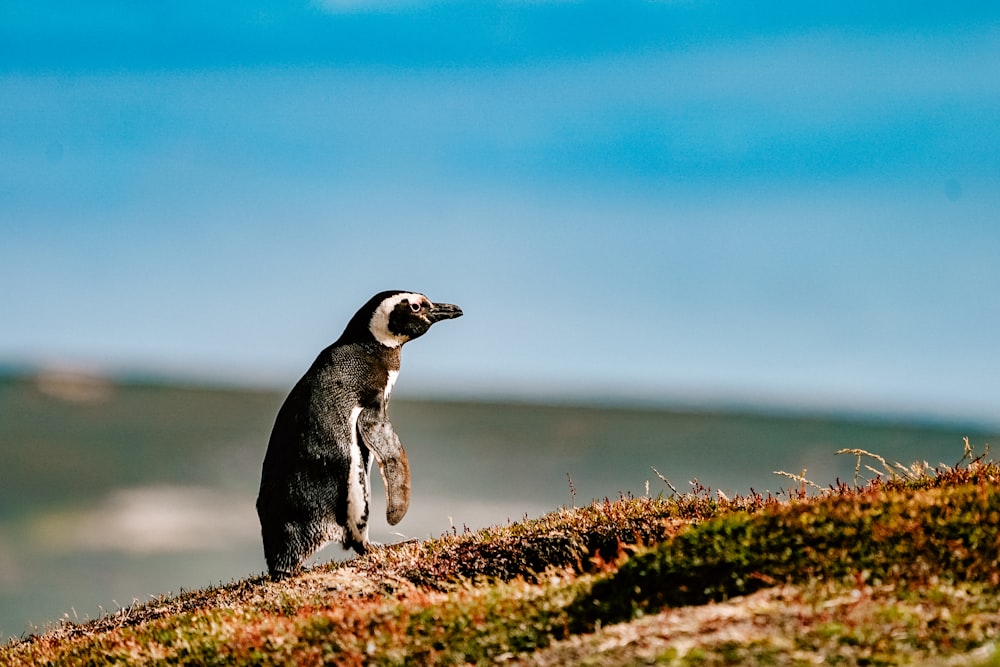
{"x":946,"y":533}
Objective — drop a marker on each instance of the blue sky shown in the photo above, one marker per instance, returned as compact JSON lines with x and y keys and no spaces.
{"x":776,"y":203}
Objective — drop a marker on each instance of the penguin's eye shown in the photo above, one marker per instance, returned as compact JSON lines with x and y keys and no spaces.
{"x":415,"y":307}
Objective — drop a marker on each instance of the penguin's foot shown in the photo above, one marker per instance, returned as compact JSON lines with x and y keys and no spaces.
{"x":396,"y":545}
{"x":379,"y":546}
{"x":362,"y":549}
{"x":411,"y":540}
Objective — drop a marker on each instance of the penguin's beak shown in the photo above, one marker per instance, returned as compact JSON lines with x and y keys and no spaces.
{"x":444,"y":311}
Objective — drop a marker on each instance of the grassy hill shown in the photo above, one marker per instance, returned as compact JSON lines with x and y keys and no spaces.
{"x":899,"y":569}
{"x":116,"y":490}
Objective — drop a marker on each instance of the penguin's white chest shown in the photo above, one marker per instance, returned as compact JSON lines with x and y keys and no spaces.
{"x":389,"y":384}
{"x":358,"y":488}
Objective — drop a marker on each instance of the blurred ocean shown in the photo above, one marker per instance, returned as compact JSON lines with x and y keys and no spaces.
{"x":114,"y":492}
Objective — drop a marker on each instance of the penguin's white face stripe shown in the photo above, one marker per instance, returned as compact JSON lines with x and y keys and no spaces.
{"x":357,"y":489}
{"x":390,"y":383}
{"x":379,"y":325}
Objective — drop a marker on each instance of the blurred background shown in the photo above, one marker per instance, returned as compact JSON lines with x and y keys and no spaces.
{"x":717,"y":238}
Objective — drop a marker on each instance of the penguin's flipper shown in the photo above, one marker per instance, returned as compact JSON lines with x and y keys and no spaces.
{"x":377,"y":433}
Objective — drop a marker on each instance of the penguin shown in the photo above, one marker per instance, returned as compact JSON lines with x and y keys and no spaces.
{"x":315,"y":480}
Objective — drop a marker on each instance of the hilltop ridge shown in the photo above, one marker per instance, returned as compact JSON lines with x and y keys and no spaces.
{"x":900,"y":568}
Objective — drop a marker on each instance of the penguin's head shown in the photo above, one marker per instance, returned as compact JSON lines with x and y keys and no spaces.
{"x":396,"y":317}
